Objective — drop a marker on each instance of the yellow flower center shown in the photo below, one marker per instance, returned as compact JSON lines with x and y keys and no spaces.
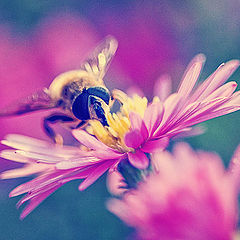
{"x":119,"y":123}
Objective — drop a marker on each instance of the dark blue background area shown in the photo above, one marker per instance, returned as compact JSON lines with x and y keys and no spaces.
{"x":66,"y":214}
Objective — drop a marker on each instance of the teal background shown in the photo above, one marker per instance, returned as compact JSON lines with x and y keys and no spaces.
{"x":211,"y":27}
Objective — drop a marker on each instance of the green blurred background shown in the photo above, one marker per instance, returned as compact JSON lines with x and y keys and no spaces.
{"x":155,"y":37}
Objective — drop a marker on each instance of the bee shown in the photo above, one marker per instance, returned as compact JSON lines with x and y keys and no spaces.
{"x":81,"y":94}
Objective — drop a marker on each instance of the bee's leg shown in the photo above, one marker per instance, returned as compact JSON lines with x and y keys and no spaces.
{"x":54,"y":118}
{"x":81,"y":124}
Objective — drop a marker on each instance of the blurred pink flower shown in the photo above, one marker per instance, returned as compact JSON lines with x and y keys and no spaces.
{"x":62,"y":42}
{"x":189,"y":196}
{"x":115,"y":183}
{"x":148,"y":44}
{"x":20,"y":75}
{"x":55,"y":166}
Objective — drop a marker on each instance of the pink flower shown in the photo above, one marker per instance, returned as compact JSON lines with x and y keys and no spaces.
{"x":151,"y":126}
{"x":189,"y":196}
{"x":140,"y":135}
{"x":55,"y":166}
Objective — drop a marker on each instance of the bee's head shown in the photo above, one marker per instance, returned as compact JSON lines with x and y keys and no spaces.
{"x":92,"y":103}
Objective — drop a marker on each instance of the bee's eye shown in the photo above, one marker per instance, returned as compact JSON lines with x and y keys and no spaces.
{"x":80,"y":106}
{"x":99,"y":92}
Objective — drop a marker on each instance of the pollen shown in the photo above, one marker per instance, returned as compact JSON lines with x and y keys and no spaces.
{"x":135,"y":104}
{"x":119,"y":123}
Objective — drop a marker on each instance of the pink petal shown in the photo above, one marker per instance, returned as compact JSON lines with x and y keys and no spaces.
{"x":182,"y":115}
{"x":36,"y":201}
{"x":225,"y":90}
{"x":235,"y":167}
{"x":206,"y":107}
{"x":95,"y":174}
{"x":138,"y":159}
{"x":38,"y":182}
{"x":187,"y":132}
{"x":33,"y":145}
{"x":107,"y":154}
{"x":84,"y":173}
{"x":171,"y":106}
{"x":211,"y":115}
{"x":137,"y":123}
{"x":133,"y":139}
{"x":216,"y":79}
{"x":115,"y":183}
{"x":234,"y":100}
{"x":155,"y":145}
{"x":153,"y":117}
{"x":74,"y":163}
{"x":27,"y":141}
{"x":13,"y":156}
{"x":163,"y":87}
{"x":24,"y":171}
{"x":88,"y":140}
{"x":191,"y":75}
{"x":35,"y":193}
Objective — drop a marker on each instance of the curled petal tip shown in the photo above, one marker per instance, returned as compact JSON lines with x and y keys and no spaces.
{"x":81,"y":188}
{"x":233,"y":63}
{"x":10,"y":195}
{"x":200,"y":57}
{"x":13,"y":193}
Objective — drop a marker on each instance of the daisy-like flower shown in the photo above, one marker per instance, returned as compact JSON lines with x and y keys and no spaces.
{"x":132,"y":135}
{"x":188,"y":196}
{"x":55,"y":166}
{"x":141,"y":128}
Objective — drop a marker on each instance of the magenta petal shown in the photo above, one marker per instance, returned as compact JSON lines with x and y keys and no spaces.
{"x":163,"y":87}
{"x":191,"y":75}
{"x":115,"y":183}
{"x":76,"y":163}
{"x":223,"y":72}
{"x":95,"y":174}
{"x":155,"y":145}
{"x":36,"y":201}
{"x":138,"y":159}
{"x":137,"y":123}
{"x":88,"y":140}
{"x":133,"y":139}
{"x":107,"y":154}
{"x":225,"y":90}
{"x":153,"y":116}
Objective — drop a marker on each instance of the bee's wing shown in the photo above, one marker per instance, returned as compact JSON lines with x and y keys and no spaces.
{"x":98,"y":62}
{"x":37,"y":101}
